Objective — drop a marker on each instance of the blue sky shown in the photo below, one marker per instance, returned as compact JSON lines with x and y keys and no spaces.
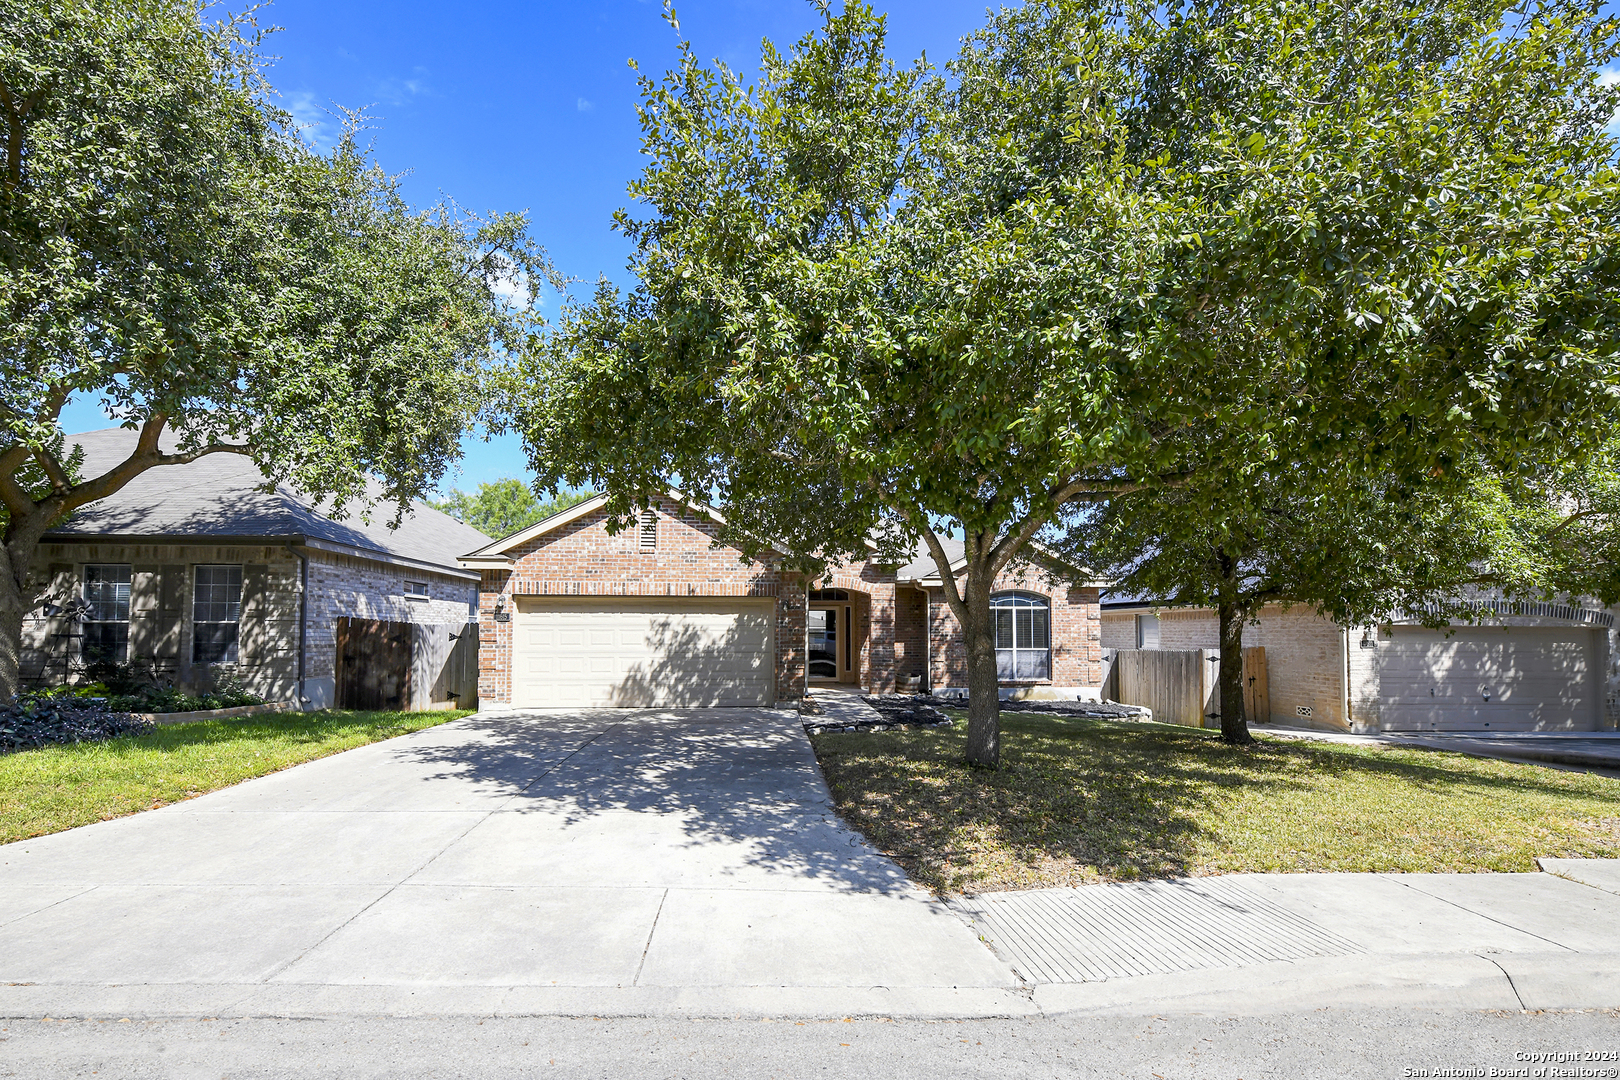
{"x":512,"y":106}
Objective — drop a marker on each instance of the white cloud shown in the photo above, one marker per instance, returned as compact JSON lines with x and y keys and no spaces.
{"x":397,"y":91}
{"x":314,"y":122}
{"x":582,"y":105}
{"x":513,"y":287}
{"x":1611,"y":78}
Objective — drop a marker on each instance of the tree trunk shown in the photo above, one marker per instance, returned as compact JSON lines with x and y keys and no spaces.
{"x":1234,"y":725}
{"x":984,"y":706}
{"x":15,"y":558}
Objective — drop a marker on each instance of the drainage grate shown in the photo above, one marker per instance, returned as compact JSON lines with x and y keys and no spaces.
{"x":1116,"y":931}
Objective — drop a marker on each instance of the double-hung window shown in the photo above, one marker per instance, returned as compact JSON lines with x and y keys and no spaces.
{"x":106,"y":614}
{"x":216,"y":615}
{"x":1023,"y":636}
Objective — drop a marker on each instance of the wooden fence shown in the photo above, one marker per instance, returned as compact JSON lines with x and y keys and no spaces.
{"x":1181,"y":686}
{"x":409,"y":666}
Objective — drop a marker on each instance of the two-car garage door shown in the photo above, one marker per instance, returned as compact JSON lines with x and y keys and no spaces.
{"x":642,"y":653}
{"x":1490,"y":678}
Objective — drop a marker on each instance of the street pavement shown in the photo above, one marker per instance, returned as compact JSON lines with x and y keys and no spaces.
{"x":1358,"y":1044}
{"x":690,"y":865}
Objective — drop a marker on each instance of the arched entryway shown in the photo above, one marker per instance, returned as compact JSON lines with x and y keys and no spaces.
{"x":833,"y":626}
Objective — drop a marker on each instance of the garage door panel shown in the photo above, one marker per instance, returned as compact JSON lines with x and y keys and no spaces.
{"x":1488,"y":678}
{"x":639,"y":654}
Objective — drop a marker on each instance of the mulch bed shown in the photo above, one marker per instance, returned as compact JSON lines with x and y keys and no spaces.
{"x":923,"y":710}
{"x":42,"y":720}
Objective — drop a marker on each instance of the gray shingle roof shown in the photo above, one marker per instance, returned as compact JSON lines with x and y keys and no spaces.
{"x":219,"y":496}
{"x":922,"y":564}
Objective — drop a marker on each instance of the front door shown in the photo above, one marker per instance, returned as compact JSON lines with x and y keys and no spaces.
{"x":831,"y":647}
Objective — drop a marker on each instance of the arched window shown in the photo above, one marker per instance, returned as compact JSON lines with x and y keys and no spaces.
{"x":1023,"y":636}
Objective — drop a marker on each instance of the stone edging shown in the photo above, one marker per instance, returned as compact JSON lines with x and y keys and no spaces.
{"x":212,"y":714}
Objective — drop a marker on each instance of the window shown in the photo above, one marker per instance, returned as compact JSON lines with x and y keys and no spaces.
{"x":1147,"y":631}
{"x":216,"y":615}
{"x":828,"y":594}
{"x":649,"y":530}
{"x":1023,"y":636}
{"x":106,"y":616}
{"x":416,"y":590}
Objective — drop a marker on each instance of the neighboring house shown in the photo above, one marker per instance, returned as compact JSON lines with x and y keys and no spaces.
{"x":204,"y":570}
{"x":658,"y":615}
{"x":1524,"y":667}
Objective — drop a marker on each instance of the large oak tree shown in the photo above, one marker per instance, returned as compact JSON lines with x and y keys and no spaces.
{"x":171,"y":247}
{"x":1109,"y":250}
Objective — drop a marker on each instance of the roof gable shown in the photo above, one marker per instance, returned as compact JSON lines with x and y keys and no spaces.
{"x":499,"y":553}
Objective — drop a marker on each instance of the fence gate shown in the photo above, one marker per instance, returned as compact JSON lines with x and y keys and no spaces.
{"x":373,"y":664}
{"x":1171,"y":682}
{"x":1182,"y":686}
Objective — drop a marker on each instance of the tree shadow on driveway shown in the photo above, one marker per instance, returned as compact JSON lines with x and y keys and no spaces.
{"x":722,"y":786}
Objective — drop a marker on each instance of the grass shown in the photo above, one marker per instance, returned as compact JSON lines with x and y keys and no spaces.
{"x":1080,"y":801}
{"x":53,"y":788}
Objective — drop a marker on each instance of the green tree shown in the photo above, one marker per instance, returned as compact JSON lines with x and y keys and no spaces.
{"x":1352,"y":548}
{"x":503,"y":507}
{"x":1112,"y":251}
{"x":169,"y":245}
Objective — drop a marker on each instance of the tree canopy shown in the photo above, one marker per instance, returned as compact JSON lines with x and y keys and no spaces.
{"x":502,"y":507}
{"x":170,"y":246}
{"x":1108,"y":250}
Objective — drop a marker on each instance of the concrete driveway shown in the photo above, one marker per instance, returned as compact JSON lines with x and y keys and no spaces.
{"x":611,"y":861}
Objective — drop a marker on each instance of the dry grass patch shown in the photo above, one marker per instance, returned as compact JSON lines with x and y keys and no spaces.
{"x":52,"y":788}
{"x":1080,"y":801}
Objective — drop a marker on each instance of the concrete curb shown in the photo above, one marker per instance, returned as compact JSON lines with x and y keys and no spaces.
{"x":305,"y":1001}
{"x":1506,"y":981}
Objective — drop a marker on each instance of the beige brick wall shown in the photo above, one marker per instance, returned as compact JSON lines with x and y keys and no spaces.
{"x":342,"y":586}
{"x":1305,"y":657}
{"x":1118,"y":630}
{"x":161,"y":592}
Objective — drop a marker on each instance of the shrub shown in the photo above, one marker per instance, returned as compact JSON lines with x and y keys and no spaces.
{"x":135,"y":688}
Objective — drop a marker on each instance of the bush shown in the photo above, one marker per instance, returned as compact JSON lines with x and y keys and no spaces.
{"x":132,"y":688}
{"x":40,"y":718}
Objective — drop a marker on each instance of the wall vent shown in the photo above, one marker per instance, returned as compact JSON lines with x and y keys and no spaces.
{"x":649,"y":530}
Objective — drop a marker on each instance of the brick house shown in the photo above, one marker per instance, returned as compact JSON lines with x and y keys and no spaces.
{"x":197,"y":571}
{"x":661,"y":614}
{"x":1521,"y":667}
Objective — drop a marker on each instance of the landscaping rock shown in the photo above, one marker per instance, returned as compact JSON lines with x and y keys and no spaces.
{"x":1095,"y":710}
{"x":894,"y":711}
{"x":45,"y":719}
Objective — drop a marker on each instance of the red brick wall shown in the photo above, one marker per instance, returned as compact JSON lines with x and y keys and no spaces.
{"x":872,"y":590}
{"x":1076,"y":632}
{"x":898,"y":632}
{"x":583,"y":559}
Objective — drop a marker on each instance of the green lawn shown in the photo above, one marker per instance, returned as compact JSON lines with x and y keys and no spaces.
{"x":1088,"y":800}
{"x":59,"y":787}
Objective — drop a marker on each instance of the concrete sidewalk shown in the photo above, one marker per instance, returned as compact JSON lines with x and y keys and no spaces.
{"x":1256,"y":943}
{"x":1595,"y":751}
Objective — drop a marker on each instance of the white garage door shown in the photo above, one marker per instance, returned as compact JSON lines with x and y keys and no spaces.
{"x":642,"y":653}
{"x":1490,"y":679}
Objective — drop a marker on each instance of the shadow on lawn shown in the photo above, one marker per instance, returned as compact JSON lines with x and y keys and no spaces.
{"x":1128,"y":801}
